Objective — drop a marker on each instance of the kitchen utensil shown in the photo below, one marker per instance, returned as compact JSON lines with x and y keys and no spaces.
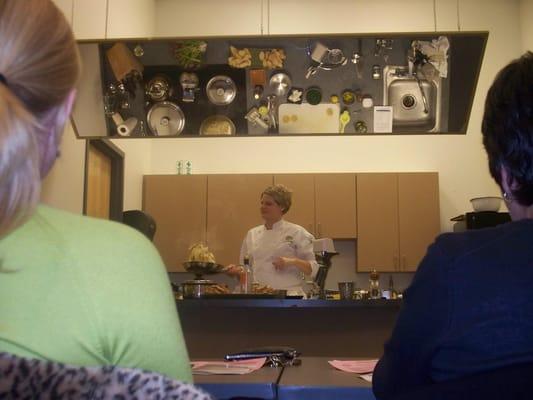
{"x":189,"y":85}
{"x":357,"y":59}
{"x":306,"y":118}
{"x":159,"y":88}
{"x":280,"y":83}
{"x":122,"y":61}
{"x":255,"y":118}
{"x":332,"y":59}
{"x":346,"y":290}
{"x":344,"y":119}
{"x":221,"y":90}
{"x":217,"y":125}
{"x":165,"y":119}
{"x":486,"y":203}
{"x":319,"y":52}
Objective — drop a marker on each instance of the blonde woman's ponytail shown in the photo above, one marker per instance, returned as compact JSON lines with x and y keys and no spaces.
{"x":19,"y":161}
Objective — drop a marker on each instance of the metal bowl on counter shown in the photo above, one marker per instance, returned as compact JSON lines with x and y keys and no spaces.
{"x":196,"y":288}
{"x":165,"y":119}
{"x":221,"y":90}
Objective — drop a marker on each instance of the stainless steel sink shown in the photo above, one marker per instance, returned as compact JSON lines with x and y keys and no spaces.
{"x":416,"y":102}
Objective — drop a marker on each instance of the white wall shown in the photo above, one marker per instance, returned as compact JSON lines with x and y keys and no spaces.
{"x":526,"y":23}
{"x":136,"y":164}
{"x":63,"y":187}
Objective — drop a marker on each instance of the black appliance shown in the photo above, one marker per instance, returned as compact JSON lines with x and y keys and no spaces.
{"x":479,"y":220}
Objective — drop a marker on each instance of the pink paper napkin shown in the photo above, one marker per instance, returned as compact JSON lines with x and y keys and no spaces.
{"x":355,"y":366}
{"x":227,"y":367}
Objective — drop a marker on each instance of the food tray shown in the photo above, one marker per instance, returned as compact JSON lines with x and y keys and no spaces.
{"x":275,"y":58}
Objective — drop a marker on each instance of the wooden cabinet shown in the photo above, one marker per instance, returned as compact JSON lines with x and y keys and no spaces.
{"x":131,"y":18}
{"x":178,"y":204}
{"x":89,"y":19}
{"x":324,"y":204}
{"x":335,"y":199}
{"x":233,"y":203}
{"x":397,"y":218}
{"x":350,"y":16}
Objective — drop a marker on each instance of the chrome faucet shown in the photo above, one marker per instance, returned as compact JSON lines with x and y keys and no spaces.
{"x":424,"y":99}
{"x":413,"y":65}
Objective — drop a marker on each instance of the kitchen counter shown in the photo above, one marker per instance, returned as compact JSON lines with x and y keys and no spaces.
{"x":317,"y":328}
{"x":287,"y":303}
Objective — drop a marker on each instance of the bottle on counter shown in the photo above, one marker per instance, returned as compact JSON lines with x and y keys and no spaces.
{"x":247,"y":276}
{"x":374,"y":285}
{"x":393,"y":292}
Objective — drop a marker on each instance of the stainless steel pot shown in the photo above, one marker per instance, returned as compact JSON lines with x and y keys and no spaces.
{"x":196,"y":288}
{"x":159,"y":88}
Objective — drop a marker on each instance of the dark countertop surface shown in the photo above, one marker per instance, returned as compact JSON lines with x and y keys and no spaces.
{"x":286,"y":303}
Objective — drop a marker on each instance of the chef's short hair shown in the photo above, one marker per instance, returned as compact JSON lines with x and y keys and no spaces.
{"x":281,"y":195}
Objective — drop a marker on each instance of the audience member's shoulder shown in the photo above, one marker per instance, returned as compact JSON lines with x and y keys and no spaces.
{"x":459,"y":243}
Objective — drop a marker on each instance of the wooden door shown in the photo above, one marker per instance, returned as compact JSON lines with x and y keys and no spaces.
{"x":335,"y":196}
{"x":232,"y":209}
{"x":302,"y":211}
{"x":178,"y":203}
{"x":419,"y":216}
{"x":98,"y":189}
{"x":377,"y":222}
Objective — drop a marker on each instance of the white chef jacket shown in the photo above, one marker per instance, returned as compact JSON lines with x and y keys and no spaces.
{"x":285,"y":239}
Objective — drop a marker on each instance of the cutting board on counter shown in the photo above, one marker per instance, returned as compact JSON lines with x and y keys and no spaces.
{"x":307,"y":118}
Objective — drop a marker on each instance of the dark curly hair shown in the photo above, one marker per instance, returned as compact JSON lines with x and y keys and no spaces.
{"x":508,"y":126}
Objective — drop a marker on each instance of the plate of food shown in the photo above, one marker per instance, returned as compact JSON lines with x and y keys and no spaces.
{"x":256,"y":58}
{"x":201,"y":261}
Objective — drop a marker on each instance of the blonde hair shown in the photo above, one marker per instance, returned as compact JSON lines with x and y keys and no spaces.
{"x":281,"y":195}
{"x":40,"y":63}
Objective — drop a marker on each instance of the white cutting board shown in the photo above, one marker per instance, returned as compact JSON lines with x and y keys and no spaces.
{"x":307,"y":118}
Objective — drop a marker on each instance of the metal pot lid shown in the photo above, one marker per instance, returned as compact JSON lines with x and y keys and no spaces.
{"x":165,"y":119}
{"x":280,"y":83}
{"x":217,"y":125}
{"x":221,"y":90}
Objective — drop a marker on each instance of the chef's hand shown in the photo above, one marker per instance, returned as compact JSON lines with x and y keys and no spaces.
{"x":234,"y":270}
{"x":280,"y":263}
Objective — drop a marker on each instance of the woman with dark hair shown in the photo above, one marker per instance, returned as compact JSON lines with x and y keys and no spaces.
{"x":469,"y":308}
{"x":73,"y":289}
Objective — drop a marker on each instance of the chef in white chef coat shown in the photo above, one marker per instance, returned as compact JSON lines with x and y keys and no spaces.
{"x":281,"y":253}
